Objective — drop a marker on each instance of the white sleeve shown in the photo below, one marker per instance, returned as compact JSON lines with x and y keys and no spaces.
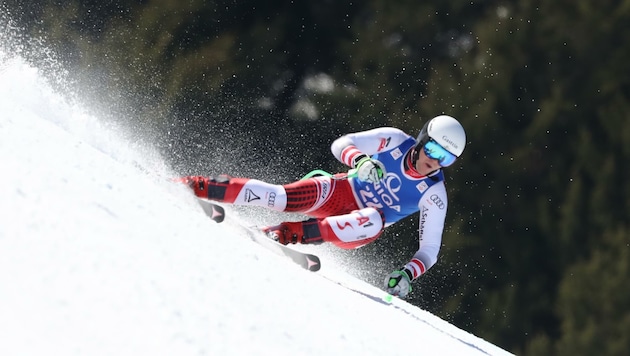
{"x":431,"y":225}
{"x":346,"y":148}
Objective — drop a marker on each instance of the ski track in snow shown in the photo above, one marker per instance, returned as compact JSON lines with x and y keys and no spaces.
{"x":101,"y":255}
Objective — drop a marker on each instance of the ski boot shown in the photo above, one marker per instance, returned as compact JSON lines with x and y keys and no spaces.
{"x":303,"y":232}
{"x":207,"y":187}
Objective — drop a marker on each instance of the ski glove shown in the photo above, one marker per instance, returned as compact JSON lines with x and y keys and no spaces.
{"x":368,"y":169}
{"x":398,"y":283}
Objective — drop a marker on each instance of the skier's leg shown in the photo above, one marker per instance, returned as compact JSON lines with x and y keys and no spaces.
{"x":347,"y":231}
{"x":238,"y":191}
{"x":353,"y":230}
{"x":319,"y":196}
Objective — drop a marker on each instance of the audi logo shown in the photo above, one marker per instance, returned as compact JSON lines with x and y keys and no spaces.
{"x":440,"y":204}
{"x":271,"y":202}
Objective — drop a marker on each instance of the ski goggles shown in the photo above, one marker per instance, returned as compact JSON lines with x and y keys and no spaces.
{"x":434,"y":151}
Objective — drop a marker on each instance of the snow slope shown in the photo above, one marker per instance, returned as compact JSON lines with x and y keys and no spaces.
{"x":101,"y":255}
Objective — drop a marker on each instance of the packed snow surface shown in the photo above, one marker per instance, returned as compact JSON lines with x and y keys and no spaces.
{"x":100,"y":254}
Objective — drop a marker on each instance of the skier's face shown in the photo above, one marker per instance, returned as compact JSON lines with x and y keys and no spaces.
{"x":426,"y":165}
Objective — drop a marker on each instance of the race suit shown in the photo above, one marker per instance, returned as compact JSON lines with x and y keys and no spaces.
{"x":402,"y":192}
{"x":351,"y":213}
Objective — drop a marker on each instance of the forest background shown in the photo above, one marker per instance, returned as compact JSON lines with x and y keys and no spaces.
{"x":535,"y":255}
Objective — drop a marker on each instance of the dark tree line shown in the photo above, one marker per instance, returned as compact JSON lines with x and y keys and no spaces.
{"x":535,"y":254}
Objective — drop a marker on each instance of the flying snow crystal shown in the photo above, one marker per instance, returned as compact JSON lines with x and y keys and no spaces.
{"x":101,"y":254}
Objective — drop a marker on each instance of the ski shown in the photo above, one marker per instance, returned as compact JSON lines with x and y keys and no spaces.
{"x":305,"y":260}
{"x":213,"y":211}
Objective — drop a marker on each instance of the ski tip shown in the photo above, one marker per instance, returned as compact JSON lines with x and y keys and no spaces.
{"x":218,"y":214}
{"x":312,"y":263}
{"x":214,"y":211}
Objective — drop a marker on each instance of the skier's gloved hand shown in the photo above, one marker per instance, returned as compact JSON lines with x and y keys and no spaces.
{"x":368,"y":169}
{"x":398,"y":283}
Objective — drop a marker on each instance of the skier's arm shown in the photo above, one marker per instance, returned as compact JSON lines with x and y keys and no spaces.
{"x":432,"y":215}
{"x":351,"y":148}
{"x":431,"y":225}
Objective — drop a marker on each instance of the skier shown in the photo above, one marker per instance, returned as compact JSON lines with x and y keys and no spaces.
{"x":393,"y":175}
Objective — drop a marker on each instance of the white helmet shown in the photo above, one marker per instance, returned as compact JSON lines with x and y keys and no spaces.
{"x":446,"y":131}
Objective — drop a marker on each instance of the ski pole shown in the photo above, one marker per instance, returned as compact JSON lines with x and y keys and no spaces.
{"x":351,"y":174}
